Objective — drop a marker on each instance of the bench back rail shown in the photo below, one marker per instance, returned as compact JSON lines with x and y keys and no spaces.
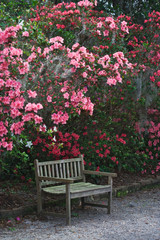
{"x":64,"y":169}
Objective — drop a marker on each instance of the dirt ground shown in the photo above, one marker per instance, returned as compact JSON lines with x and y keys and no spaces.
{"x":20,"y":194}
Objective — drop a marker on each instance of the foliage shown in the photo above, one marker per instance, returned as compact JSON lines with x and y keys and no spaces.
{"x":138,"y":9}
{"x":63,"y":62}
{"x":17,"y":164}
{"x":11,"y":11}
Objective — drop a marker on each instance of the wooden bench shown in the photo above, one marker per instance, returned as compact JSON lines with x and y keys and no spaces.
{"x":67,"y":177}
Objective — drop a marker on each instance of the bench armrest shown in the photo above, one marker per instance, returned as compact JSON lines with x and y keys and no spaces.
{"x":105,"y":174}
{"x":62,"y":180}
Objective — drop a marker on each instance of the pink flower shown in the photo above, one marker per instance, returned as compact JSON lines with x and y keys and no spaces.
{"x":66,"y":95}
{"x":1,"y":82}
{"x":84,"y":74}
{"x":99,"y":25}
{"x":112,"y":25}
{"x":56,"y":39}
{"x":28,"y":117}
{"x":10,"y":146}
{"x":39,"y":106}
{"x":3,"y":129}
{"x":60,"y":117}
{"x":15,"y":113}
{"x":49,"y":98}
{"x":25,"y":34}
{"x":18,"y":219}
{"x":17,"y":127}
{"x":109,"y":19}
{"x":31,"y":94}
{"x":42,"y":128}
{"x":38,"y":119}
{"x":66,"y":104}
{"x":33,"y":107}
{"x":111,"y":81}
{"x":15,"y":51}
{"x":104,"y":61}
{"x":32,"y":57}
{"x":106,"y":33}
{"x":85,"y":3}
{"x":124,"y":27}
{"x":76,"y":45}
{"x":6,"y":100}
{"x":118,"y":55}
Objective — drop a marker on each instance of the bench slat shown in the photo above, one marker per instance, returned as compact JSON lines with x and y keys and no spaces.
{"x":57,"y":171}
{"x":79,"y":168}
{"x":75,"y":169}
{"x":68,"y":172}
{"x":49,"y":170}
{"x":76,"y":188}
{"x":64,"y":170}
{"x":71,"y":168}
{"x":45,"y":171}
{"x":59,"y":161}
{"x":60,"y":169}
{"x":41,"y":170}
{"x":53,"y":171}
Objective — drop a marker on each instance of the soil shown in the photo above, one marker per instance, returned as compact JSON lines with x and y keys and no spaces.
{"x":15,"y":195}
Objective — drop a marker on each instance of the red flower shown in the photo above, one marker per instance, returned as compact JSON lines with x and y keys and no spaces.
{"x":97,"y":170}
{"x":85,"y":133}
{"x":23,"y":178}
{"x":76,"y":136}
{"x":101,"y":155}
{"x":113,"y":159}
{"x":158,"y":84}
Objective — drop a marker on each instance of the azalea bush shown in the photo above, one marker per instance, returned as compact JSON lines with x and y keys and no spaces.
{"x":17,"y":164}
{"x":66,"y":64}
{"x":59,"y":63}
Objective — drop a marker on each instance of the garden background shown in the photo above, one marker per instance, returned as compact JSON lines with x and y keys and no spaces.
{"x":79,"y":78}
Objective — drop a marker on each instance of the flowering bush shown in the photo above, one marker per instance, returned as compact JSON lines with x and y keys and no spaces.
{"x":47,"y":69}
{"x":66,"y":60}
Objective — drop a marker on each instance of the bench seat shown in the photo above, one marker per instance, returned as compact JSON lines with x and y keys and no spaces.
{"x":80,"y":189}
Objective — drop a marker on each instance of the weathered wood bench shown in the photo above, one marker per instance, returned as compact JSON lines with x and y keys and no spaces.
{"x":70,"y":174}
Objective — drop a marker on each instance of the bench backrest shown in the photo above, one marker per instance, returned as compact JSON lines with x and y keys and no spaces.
{"x":66,"y":168}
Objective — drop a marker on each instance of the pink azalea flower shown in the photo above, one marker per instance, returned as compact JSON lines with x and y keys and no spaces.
{"x":31,"y":94}
{"x":25,"y":34}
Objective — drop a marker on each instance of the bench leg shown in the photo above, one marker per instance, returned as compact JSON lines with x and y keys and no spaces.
{"x":39,"y":202}
{"x":109,"y":202}
{"x":82,"y":202}
{"x":68,"y":205}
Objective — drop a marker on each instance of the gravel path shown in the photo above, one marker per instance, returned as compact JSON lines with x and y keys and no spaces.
{"x":134,"y":217}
